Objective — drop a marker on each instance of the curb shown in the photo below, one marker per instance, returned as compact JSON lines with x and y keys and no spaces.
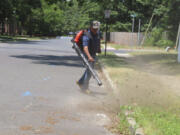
{"x":131,"y":121}
{"x":133,"y":125}
{"x":112,"y":85}
{"x":133,"y":129}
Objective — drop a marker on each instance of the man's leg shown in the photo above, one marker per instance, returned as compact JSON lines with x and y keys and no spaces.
{"x":84,"y":80}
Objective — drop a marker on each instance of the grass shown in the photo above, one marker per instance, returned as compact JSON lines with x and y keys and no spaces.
{"x":123,"y":126}
{"x":111,"y":60}
{"x":156,"y":121}
{"x":117,"y":46}
{"x":127,"y":74}
{"x":164,"y":62}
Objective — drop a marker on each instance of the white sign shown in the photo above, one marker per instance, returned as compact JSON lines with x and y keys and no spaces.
{"x":107,"y":13}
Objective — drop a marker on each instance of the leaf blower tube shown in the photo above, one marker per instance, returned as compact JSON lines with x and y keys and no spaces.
{"x":86,"y":63}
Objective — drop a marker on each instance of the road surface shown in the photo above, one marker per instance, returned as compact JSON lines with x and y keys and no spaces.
{"x":39,"y":94}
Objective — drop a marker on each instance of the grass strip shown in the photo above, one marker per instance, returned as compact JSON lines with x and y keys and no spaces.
{"x":123,"y":126}
{"x":117,"y":46}
{"x":154,"y":121}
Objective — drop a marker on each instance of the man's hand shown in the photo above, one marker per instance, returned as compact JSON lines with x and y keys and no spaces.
{"x":91,"y":59}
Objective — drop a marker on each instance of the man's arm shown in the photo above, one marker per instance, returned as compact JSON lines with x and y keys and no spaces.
{"x":85,"y":48}
{"x":90,"y":58}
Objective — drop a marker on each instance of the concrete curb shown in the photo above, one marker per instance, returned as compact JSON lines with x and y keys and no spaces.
{"x":105,"y":73}
{"x":131,"y":121}
{"x":132,"y":128}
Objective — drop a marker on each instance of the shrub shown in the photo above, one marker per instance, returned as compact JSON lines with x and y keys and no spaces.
{"x":164,"y":43}
{"x":156,"y":38}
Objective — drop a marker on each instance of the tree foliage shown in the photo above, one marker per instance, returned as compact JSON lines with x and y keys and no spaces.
{"x":55,"y":17}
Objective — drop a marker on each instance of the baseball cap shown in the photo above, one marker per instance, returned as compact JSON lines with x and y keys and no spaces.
{"x":95,"y":24}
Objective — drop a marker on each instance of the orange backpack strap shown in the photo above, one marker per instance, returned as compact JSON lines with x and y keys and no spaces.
{"x":78,"y":36}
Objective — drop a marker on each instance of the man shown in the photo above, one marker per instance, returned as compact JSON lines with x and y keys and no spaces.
{"x":91,"y":46}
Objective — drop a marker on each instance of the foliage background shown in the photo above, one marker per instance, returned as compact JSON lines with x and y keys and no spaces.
{"x":59,"y":17}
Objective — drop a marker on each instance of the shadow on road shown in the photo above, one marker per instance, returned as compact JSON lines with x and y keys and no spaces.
{"x":73,"y":61}
{"x":27,"y":42}
{"x":20,"y":41}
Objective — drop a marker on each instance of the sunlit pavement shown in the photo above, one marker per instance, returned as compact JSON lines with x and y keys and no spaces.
{"x":39,"y":94}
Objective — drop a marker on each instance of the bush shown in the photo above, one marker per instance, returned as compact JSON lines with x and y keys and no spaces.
{"x":156,"y":38}
{"x":164,"y":43}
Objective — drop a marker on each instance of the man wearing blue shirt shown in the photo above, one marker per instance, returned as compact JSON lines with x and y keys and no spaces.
{"x":91,"y":46}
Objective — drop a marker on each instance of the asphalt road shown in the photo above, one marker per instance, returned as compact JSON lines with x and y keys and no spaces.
{"x":39,"y":94}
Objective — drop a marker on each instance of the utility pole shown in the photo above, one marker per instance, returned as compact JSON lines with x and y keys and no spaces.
{"x":106,"y":38}
{"x":142,"y":42}
{"x":107,"y":16}
{"x":133,"y":20}
{"x":132,"y":31}
{"x":139,"y":30}
{"x":177,"y":39}
{"x":179,"y":50}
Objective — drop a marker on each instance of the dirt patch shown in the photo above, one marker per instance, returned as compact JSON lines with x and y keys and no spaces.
{"x":44,"y":130}
{"x":51,"y":120}
{"x":146,"y":79}
{"x":69,"y":118}
{"x":39,"y":130}
{"x":26,"y":128}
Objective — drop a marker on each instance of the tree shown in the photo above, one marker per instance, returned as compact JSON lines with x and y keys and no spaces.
{"x":62,"y":16}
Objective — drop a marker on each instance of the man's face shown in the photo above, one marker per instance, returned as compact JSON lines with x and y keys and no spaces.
{"x":94,"y":31}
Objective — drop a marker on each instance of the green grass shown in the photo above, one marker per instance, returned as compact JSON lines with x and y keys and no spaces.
{"x":117,"y":46}
{"x":157,"y":121}
{"x":111,"y":60}
{"x":157,"y":57}
{"x":161,"y":121}
{"x":123,"y":126}
{"x":164,"y":62}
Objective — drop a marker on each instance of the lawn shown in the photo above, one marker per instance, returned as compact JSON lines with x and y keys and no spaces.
{"x":148,"y":83}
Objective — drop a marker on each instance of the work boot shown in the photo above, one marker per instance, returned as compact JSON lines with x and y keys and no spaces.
{"x":87,"y":91}
{"x":80,"y":85}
